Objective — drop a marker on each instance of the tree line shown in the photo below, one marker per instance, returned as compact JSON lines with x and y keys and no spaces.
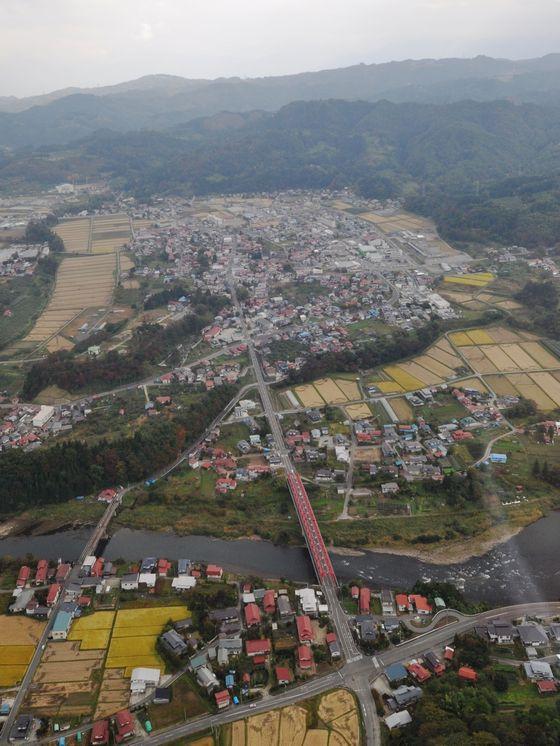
{"x":57,"y":473}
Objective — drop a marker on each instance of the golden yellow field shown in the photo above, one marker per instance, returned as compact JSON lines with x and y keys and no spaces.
{"x":460,"y":339}
{"x":99,"y":620}
{"x":427,"y":377}
{"x":430,"y":363}
{"x":348,"y":726}
{"x":12,"y":674}
{"x":477,"y":279}
{"x":263,"y":729}
{"x":16,"y":654}
{"x":20,"y":630}
{"x":330,"y":392}
{"x":472,"y":383}
{"x":480,"y":337}
{"x":544,"y":358}
{"x":501,"y":385}
{"x":316,"y":737}
{"x":404,"y":379}
{"x":349,"y":388}
{"x":293,"y":725}
{"x":110,"y":232}
{"x":387,"y":387}
{"x":150,"y":616}
{"x":358,"y":411}
{"x":308,"y":396}
{"x":548,"y":384}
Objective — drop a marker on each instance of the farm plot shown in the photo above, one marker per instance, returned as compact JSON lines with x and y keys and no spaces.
{"x":358,"y":411}
{"x":338,"y":725}
{"x":403,"y":378}
{"x":128,"y":651}
{"x":477,"y":279}
{"x":114,"y":693}
{"x":65,"y":680}
{"x":427,"y":377}
{"x":81,"y":282}
{"x":22,"y":635}
{"x":330,"y":392}
{"x":109,"y":233}
{"x":401,"y":408}
{"x":263,"y":728}
{"x":75,"y":233}
{"x":349,"y":388}
{"x":308,"y":396}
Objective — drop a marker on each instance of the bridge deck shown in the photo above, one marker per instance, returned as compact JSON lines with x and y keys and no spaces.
{"x":310,"y":528}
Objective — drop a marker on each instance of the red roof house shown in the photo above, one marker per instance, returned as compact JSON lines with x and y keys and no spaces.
{"x":304,"y":629}
{"x":97,"y":568}
{"x":401,"y":600}
{"x":53,"y":594}
{"x":214,"y":572}
{"x":466,"y":673}
{"x":304,"y":657}
{"x":257,"y":647}
{"x":23,"y":576}
{"x":365,"y":600}
{"x":547,"y":687}
{"x":107,"y":495}
{"x":62,"y":572}
{"x":269,"y":602}
{"x":421,"y":604}
{"x":448,"y":653}
{"x":418,"y":672}
{"x":163,"y":567}
{"x":252,"y":615}
{"x":100,"y":733}
{"x":124,"y":724}
{"x":41,"y":572}
{"x":283,"y":675}
{"x":355,"y":592}
{"x":222,"y":699}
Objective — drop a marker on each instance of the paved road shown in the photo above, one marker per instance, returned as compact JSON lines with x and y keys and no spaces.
{"x":355,"y":679}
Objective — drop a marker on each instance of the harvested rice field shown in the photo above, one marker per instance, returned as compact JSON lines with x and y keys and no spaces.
{"x":337,"y":725}
{"x":358,"y":411}
{"x":75,"y":232}
{"x":329,"y":391}
{"x":349,"y":388}
{"x":401,"y":408}
{"x":308,"y":396}
{"x":81,"y":282}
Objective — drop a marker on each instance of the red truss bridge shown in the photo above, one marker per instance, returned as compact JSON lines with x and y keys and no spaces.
{"x":310,"y":528}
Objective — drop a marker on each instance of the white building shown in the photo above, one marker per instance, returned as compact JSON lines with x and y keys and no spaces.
{"x":183,"y":583}
{"x":308,"y":601}
{"x":141,"y":678}
{"x":43,"y":416}
{"x":148,"y":579}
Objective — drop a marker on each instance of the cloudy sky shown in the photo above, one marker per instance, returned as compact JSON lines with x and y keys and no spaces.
{"x":50,"y":44}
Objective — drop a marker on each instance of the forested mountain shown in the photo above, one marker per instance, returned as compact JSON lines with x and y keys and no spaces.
{"x":161,"y":101}
{"x":486,"y":171}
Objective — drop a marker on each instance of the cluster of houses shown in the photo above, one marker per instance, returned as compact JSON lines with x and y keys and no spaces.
{"x":20,"y":260}
{"x":294,"y":633}
{"x":27,"y":426}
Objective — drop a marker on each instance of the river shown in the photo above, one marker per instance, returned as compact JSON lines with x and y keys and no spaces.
{"x":526,"y":568}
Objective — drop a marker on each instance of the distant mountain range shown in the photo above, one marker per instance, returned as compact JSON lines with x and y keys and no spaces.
{"x":158,"y":102}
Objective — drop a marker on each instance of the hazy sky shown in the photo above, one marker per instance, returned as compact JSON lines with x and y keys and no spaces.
{"x":49,"y":44}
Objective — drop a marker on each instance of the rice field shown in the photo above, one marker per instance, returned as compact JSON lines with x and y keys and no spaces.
{"x":81,"y":282}
{"x":358,"y":411}
{"x":477,"y":279}
{"x":76,"y":233}
{"x":327,"y":391}
{"x":338,"y":725}
{"x":401,"y":408}
{"x":22,"y":635}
